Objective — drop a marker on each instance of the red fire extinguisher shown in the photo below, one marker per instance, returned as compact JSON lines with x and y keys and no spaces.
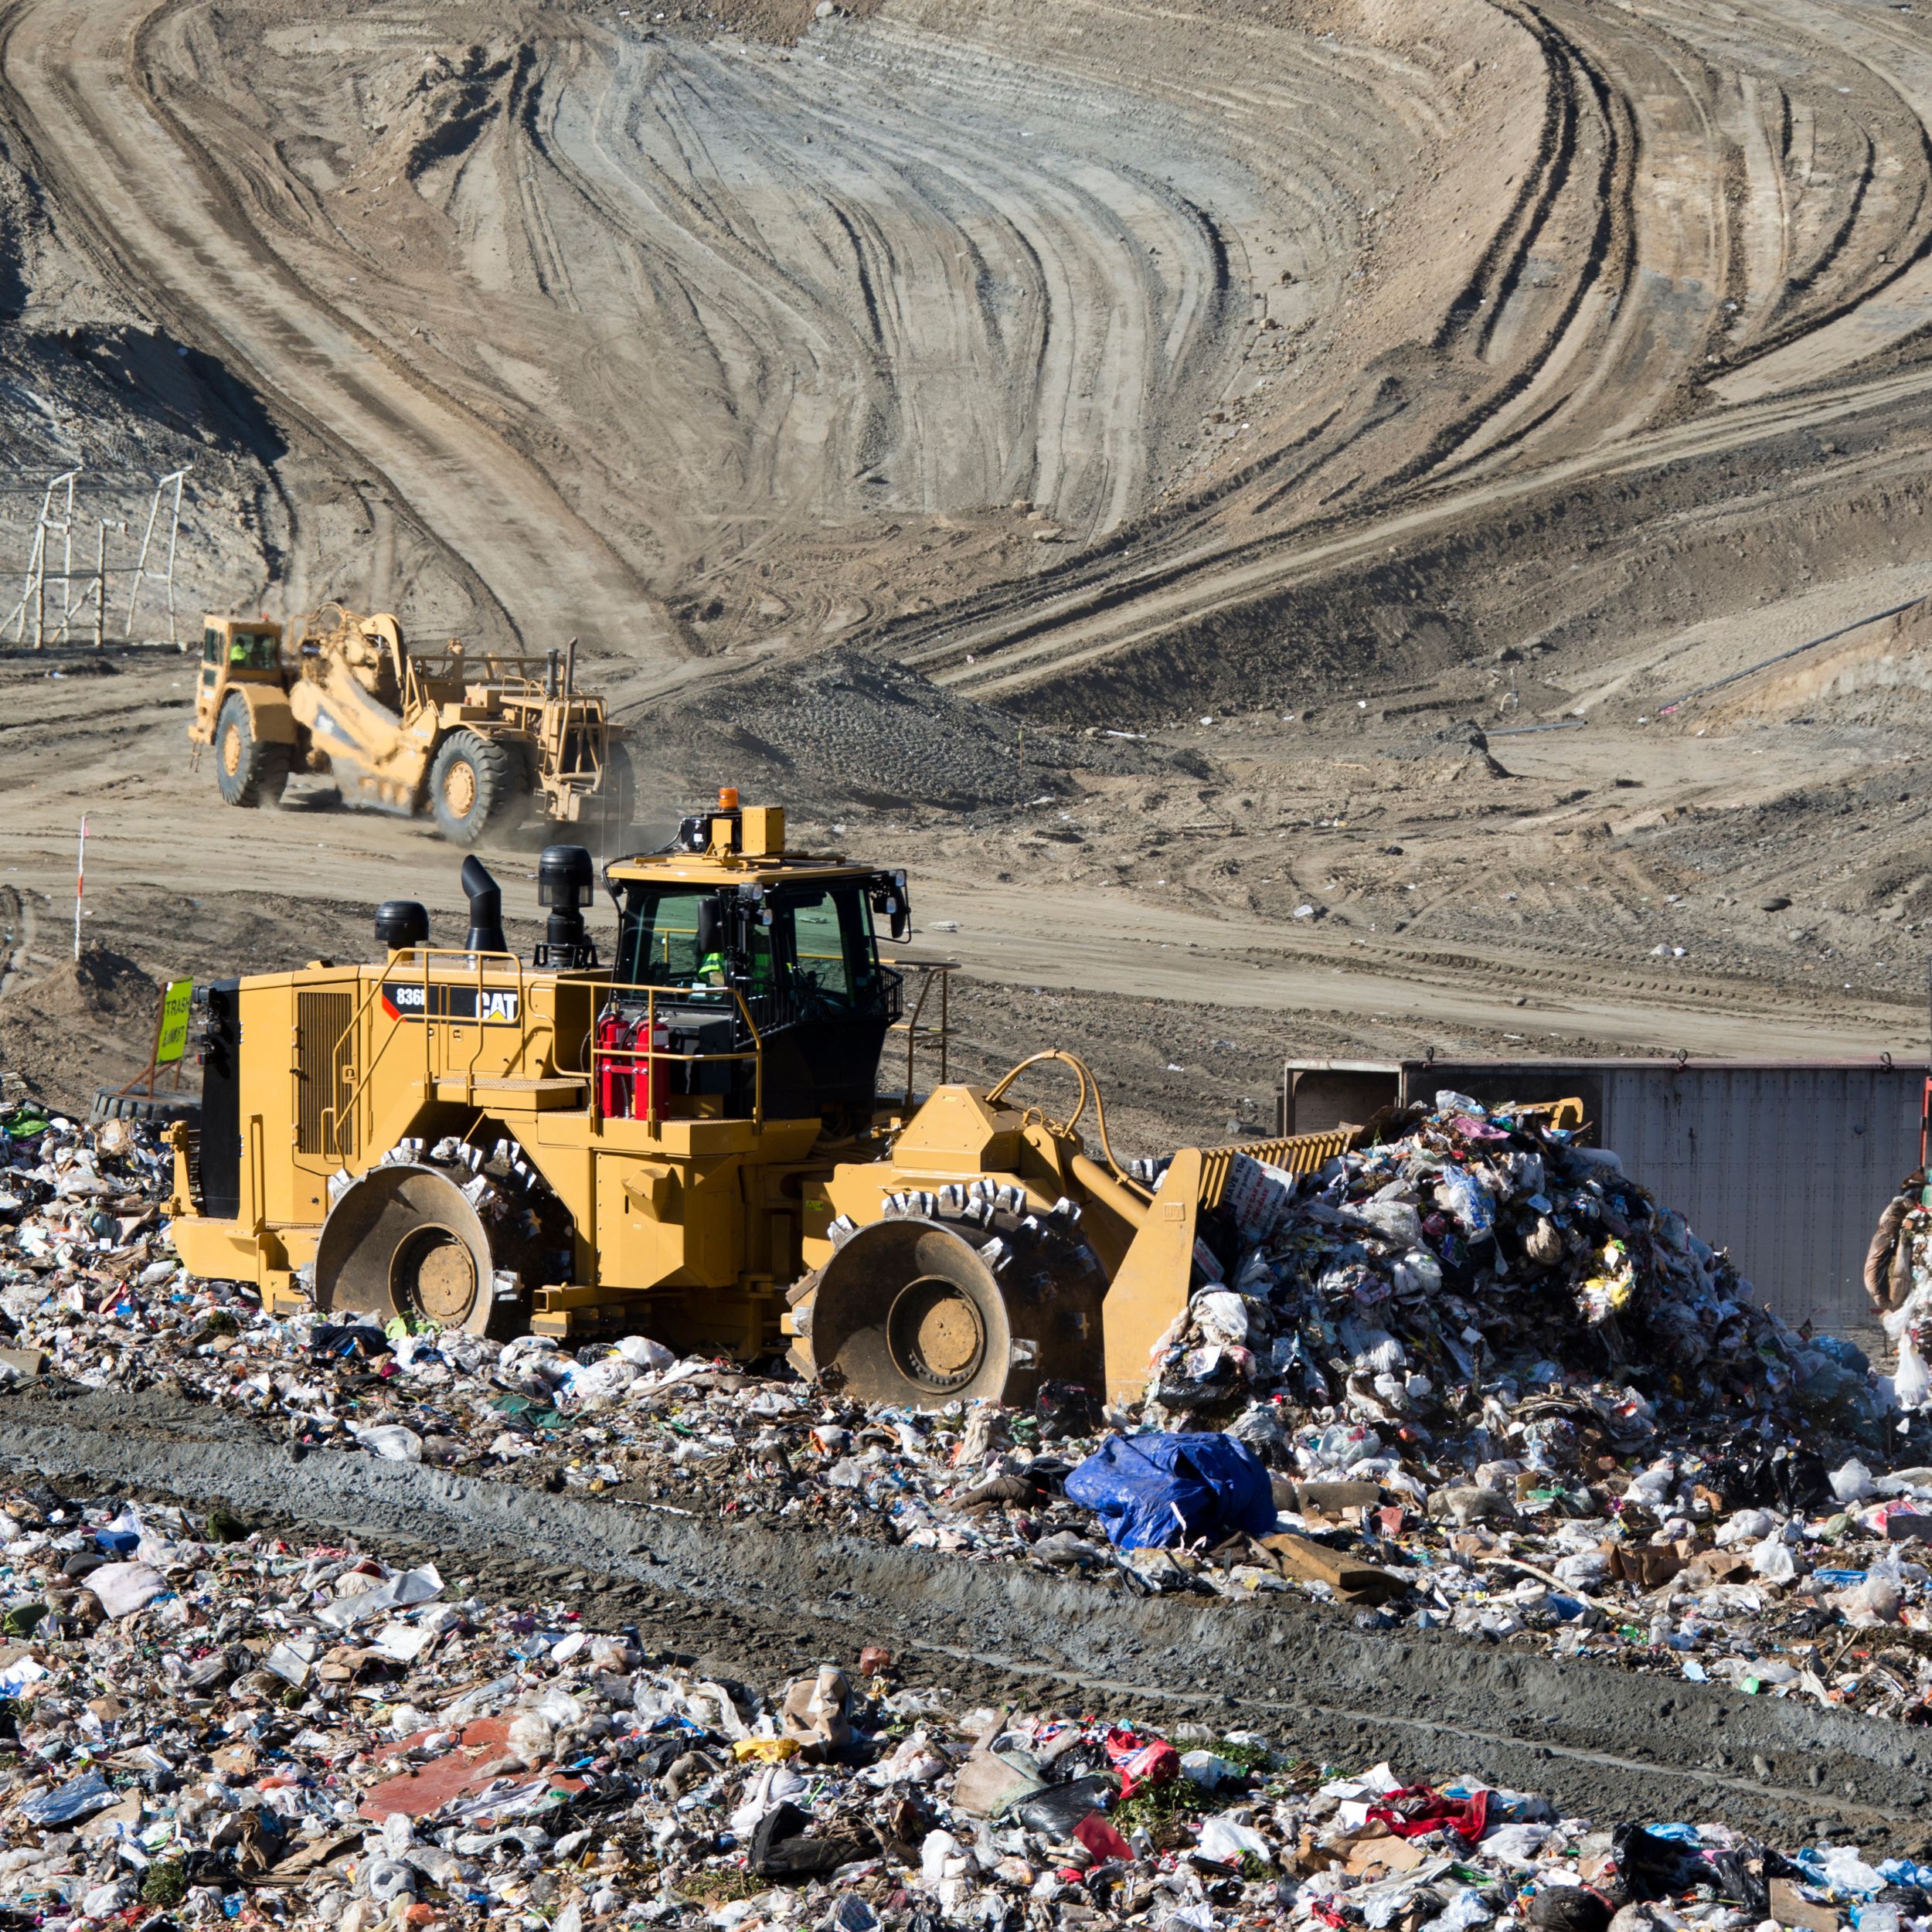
{"x":615,"y":1075}
{"x":654,"y":1075}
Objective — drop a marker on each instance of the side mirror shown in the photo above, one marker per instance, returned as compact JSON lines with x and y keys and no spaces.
{"x":898,"y":913}
{"x":710,"y":927}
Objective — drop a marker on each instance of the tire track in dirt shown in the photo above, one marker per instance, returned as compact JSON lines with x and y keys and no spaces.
{"x":160,"y":211}
{"x":1747,"y":190}
{"x":737,"y":302}
{"x":819,"y":240}
{"x":1054,"y":639}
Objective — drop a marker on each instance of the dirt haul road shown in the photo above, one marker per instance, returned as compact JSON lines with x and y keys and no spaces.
{"x":1120,"y":913}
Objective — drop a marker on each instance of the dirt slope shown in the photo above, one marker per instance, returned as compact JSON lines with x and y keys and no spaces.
{"x":1341,"y":376}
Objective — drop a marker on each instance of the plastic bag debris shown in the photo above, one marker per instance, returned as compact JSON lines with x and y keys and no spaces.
{"x":77,"y":1798}
{"x":1153,"y":1492}
{"x":125,"y":1588}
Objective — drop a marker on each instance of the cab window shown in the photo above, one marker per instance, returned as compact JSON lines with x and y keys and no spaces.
{"x":253,"y":650}
{"x":659,"y":944}
{"x":834,"y":962}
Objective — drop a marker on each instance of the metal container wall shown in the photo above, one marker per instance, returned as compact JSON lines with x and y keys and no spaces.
{"x":1787,"y":1164}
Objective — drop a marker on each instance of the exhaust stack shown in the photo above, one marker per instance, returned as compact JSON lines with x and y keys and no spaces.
{"x":486,"y":909}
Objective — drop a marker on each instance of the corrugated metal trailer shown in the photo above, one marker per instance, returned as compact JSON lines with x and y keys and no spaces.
{"x":1786,"y":1163}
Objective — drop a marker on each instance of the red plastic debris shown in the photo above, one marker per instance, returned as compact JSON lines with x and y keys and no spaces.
{"x":478,"y":1756}
{"x":1142,"y":1760}
{"x":1416,"y":1810}
{"x":1102,"y":1840}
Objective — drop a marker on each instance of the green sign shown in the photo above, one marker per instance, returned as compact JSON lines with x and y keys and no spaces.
{"x":170,"y":1043}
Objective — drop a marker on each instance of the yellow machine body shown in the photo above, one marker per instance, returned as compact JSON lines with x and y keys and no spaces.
{"x":672,"y":1184}
{"x":472,"y":737}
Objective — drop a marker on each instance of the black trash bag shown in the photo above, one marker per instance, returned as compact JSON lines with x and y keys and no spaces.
{"x":660,"y":1754}
{"x":1569,"y":1908}
{"x":1054,"y":1811}
{"x":1066,"y":1408}
{"x":353,"y":1340}
{"x":1652,"y":1868}
{"x":1744,"y":1873}
{"x":779,"y":1848}
{"x":210,"y":1868}
{"x":1741,"y":1880}
{"x":1791,"y":1477}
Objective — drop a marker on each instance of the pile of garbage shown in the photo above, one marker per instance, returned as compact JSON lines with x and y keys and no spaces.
{"x":1472,"y":1378}
{"x":200,"y":1721}
{"x":1443,"y":1282}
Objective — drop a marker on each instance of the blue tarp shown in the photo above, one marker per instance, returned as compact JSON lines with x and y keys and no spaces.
{"x":1152,"y":1492}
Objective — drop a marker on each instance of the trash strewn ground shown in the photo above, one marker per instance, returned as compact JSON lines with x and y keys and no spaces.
{"x":201,"y":1721}
{"x":1483,"y":1381}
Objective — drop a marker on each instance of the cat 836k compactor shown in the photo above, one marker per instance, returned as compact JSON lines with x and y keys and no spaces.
{"x":685,"y":1142}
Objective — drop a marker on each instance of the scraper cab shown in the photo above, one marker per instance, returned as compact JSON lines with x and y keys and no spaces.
{"x":680,"y":1134}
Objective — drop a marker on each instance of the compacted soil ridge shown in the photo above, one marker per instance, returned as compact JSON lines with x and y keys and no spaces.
{"x":1600,"y":1742}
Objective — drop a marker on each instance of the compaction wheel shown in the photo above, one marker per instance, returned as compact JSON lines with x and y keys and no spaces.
{"x":961,"y":1303}
{"x":460,"y":1248}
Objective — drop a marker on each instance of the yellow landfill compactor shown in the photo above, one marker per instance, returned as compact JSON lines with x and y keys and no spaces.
{"x":475,"y":739}
{"x":685,"y":1142}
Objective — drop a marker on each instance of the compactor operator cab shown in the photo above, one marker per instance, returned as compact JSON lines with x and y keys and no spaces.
{"x":741,"y":935}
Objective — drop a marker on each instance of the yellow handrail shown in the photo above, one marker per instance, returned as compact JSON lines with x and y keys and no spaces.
{"x":1088,"y":1085}
{"x":422,"y":956}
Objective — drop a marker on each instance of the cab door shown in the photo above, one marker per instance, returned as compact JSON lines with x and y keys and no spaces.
{"x":208,"y":686}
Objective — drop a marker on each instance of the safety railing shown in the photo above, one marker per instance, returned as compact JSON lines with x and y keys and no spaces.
{"x":631,"y":1064}
{"x":914,"y":1025}
{"x":460,"y":970}
{"x":580,"y":717}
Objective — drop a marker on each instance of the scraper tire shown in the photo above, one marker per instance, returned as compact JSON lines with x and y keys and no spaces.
{"x":247,"y":772}
{"x":473,"y":783}
{"x":926,"y":1313}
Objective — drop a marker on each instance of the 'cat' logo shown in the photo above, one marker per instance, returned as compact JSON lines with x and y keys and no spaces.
{"x":411,"y":999}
